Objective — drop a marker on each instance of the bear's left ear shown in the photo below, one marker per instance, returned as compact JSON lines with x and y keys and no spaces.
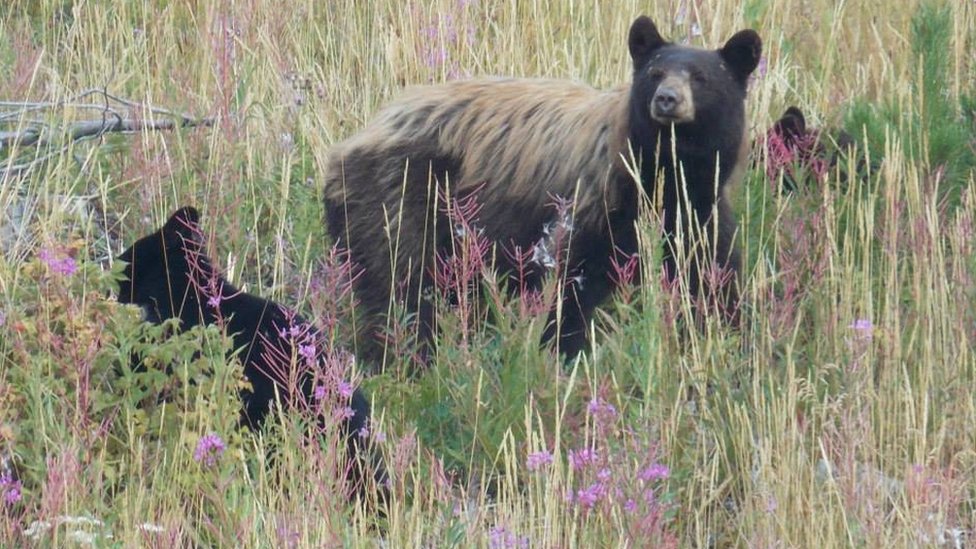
{"x":644,"y":39}
{"x":183,"y":227}
{"x":742,"y":53}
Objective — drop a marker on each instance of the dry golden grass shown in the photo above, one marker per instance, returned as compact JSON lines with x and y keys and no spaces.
{"x":804,"y":430}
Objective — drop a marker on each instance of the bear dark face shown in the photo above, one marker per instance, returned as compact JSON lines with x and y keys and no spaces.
{"x":682,"y":85}
{"x":150,"y":262}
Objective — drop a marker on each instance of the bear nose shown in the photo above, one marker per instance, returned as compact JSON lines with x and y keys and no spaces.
{"x":666,"y":100}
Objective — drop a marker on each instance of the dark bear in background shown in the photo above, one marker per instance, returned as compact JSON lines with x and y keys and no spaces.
{"x":169,"y":276}
{"x":798,"y":153}
{"x":514,"y":144}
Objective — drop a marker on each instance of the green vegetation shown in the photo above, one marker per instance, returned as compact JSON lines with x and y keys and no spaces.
{"x":842,"y":413}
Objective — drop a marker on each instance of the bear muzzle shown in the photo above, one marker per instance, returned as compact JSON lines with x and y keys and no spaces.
{"x":672,"y":102}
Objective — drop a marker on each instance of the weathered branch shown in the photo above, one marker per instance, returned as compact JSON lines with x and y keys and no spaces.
{"x":38,"y":134}
{"x":93,"y":128}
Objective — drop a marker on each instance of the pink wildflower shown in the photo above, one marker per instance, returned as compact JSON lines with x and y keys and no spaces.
{"x":209,"y":449}
{"x":536,"y":460}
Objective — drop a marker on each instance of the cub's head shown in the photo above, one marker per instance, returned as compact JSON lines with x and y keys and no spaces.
{"x":802,"y":155}
{"x":157,"y":266}
{"x":686,"y":85}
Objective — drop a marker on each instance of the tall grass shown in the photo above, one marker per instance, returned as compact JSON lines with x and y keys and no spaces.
{"x":842,"y":413}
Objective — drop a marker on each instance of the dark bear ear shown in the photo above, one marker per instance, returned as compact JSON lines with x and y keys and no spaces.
{"x":644,"y":39}
{"x":183,"y":226}
{"x":742,"y":53}
{"x":792,"y":123}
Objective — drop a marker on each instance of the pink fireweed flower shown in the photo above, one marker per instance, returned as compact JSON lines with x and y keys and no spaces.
{"x":290,"y":332}
{"x":345,"y":390}
{"x":65,"y":266}
{"x":655,"y":471}
{"x":10,"y":489}
{"x":579,"y":459}
{"x":209,"y":449}
{"x":588,"y":497}
{"x":501,"y":538}
{"x":863,"y":326}
{"x":601,"y":408}
{"x":307,"y":351}
{"x":537,"y":460}
{"x":319,"y":393}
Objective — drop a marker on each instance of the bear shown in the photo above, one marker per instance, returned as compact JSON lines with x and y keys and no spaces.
{"x":168,"y":276}
{"x":514,"y":144}
{"x":798,"y":153}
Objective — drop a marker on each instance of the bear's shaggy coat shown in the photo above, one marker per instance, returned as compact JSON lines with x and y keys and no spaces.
{"x":515,"y":144}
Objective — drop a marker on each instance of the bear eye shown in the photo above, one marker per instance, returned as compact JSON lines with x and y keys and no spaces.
{"x":699,"y":77}
{"x":657,"y":73}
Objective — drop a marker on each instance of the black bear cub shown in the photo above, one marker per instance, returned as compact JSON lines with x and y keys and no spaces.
{"x":168,"y":275}
{"x":799,"y":153}
{"x":514,"y":144}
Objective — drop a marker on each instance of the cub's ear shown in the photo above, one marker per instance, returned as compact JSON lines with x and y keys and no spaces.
{"x":742,"y":53}
{"x":183,"y":226}
{"x":644,"y":39}
{"x":792,"y":123}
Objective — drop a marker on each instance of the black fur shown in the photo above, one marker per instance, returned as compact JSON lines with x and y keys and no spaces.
{"x":714,"y":139}
{"x":160,"y":271}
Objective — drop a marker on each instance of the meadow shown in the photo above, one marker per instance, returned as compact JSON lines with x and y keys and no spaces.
{"x":841,"y":413}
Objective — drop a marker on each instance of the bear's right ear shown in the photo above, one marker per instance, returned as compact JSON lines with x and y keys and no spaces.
{"x":644,"y":39}
{"x":742,"y":52}
{"x":183,"y":226}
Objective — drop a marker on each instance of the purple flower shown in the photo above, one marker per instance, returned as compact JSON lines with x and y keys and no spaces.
{"x":630,"y":506}
{"x":319,"y":393}
{"x":65,"y":266}
{"x":862,"y":326}
{"x":600,"y":407}
{"x":500,"y":538}
{"x":214,"y":301}
{"x":10,"y":489}
{"x":760,"y":71}
{"x":579,"y":459}
{"x":345,"y":413}
{"x":535,"y":460}
{"x":209,"y":449}
{"x":307,"y":351}
{"x":590,"y":496}
{"x":291,"y":331}
{"x":345,"y":390}
{"x":656,"y":471}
